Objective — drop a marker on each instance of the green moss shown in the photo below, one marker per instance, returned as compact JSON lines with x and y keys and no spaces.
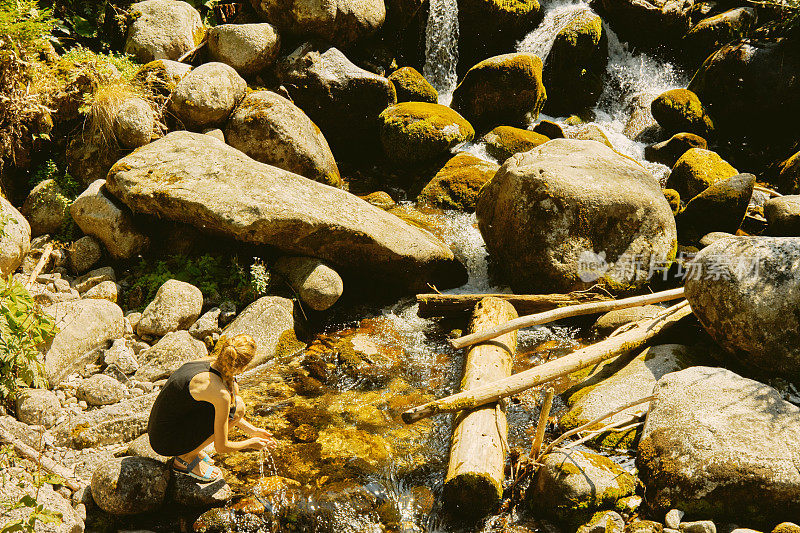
{"x":680,"y":110}
{"x":411,"y":86}
{"x":696,"y":170}
{"x":418,"y":131}
{"x":504,"y":141}
{"x":457,"y":184}
{"x":674,"y":199}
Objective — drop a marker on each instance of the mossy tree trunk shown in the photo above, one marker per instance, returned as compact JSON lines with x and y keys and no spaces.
{"x":473,"y":486}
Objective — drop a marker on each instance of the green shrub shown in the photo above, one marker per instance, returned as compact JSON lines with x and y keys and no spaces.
{"x":24,"y":26}
{"x":38,"y":513}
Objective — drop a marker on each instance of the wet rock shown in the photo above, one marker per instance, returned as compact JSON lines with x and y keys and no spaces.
{"x":721,"y":207}
{"x":38,"y":407}
{"x":702,"y":526}
{"x":248,"y":48}
{"x":668,"y":152}
{"x":680,"y":110}
{"x":590,"y":132}
{"x":269,"y":320}
{"x":217,"y":187}
{"x":130,"y":485}
{"x":504,"y":141}
{"x":46,"y":497}
{"x":750,"y":87}
{"x":168,"y":354}
{"x":46,"y":208}
{"x":380,"y":199}
{"x":100,"y":389}
{"x":457,"y":184}
{"x":733,"y":291}
{"x":696,"y":170}
{"x":619,"y":382}
{"x":97,"y":214}
{"x":712,"y":33}
{"x":341,"y":98}
{"x":502,"y":90}
{"x":604,"y":522}
{"x":340,"y":22}
{"x":711,"y":432}
{"x":106,"y":290}
{"x":84,"y":253}
{"x":135,"y":123}
{"x":673,"y":518}
{"x":783,"y":216}
{"x":271,"y":129}
{"x":317,"y":284}
{"x":177,"y":306}
{"x":206,"y":96}
{"x":549,"y":129}
{"x":571,"y":485}
{"x":83,"y":327}
{"x":530,"y":216}
{"x":163,"y":29}
{"x":15,"y":239}
{"x":413,"y":132}
{"x":411,"y":86}
{"x":648,"y":22}
{"x":608,"y":322}
{"x":188,"y":491}
{"x":207,"y":324}
{"x":641,"y":126}
{"x":122,"y":356}
{"x":574,"y":70}
{"x":491,"y":27}
{"x":112,"y":424}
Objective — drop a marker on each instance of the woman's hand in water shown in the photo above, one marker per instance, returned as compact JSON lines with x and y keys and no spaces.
{"x":257,"y":443}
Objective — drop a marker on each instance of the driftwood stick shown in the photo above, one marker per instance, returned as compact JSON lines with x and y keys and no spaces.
{"x":610,"y":348}
{"x":193,"y":51}
{"x":41,"y":459}
{"x":767,"y":190}
{"x":474,"y":483}
{"x":48,"y":249}
{"x":597,"y":420}
{"x":566,"y":312}
{"x":433,"y":304}
{"x":544,"y":415}
{"x":618,"y":427}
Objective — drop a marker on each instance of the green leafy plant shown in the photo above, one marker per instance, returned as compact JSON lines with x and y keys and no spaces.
{"x":50,"y":171}
{"x":24,"y":328}
{"x":24,"y":26}
{"x":38,"y":513}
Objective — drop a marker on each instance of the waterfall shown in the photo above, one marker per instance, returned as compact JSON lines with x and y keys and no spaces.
{"x":441,"y":48}
{"x":540,"y":40}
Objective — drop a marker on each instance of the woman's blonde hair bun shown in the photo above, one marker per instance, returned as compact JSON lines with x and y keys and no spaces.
{"x":233,"y":354}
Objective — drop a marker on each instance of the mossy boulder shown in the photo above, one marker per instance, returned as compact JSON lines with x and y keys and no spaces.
{"x":648,"y":23}
{"x":411,"y":86}
{"x":721,"y":207}
{"x":504,"y":141}
{"x":206,"y":96}
{"x":491,"y":27}
{"x":668,"y":152}
{"x":711,"y":33}
{"x":782,"y":214}
{"x":248,"y":48}
{"x":457,"y":184}
{"x":505,"y":89}
{"x":418,"y":131}
{"x":679,"y":110}
{"x":551,"y":228}
{"x":161,"y":76}
{"x":572,"y":485}
{"x":271,"y":129}
{"x":46,"y":208}
{"x":616,"y":383}
{"x":696,"y":170}
{"x":674,"y":199}
{"x":722,"y":447}
{"x":163,"y":29}
{"x":574,"y":70}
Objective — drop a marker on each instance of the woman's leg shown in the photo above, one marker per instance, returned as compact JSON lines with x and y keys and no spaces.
{"x":201,"y":468}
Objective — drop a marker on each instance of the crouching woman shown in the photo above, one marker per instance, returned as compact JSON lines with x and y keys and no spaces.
{"x":197,"y":407}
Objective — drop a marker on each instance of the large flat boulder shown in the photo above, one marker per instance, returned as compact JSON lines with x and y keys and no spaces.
{"x":195,"y":179}
{"x":745,"y":291}
{"x":571,"y":213}
{"x":83,"y":327}
{"x":112,"y":424}
{"x":717,"y":445}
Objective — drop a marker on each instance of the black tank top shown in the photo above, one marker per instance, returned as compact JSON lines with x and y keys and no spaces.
{"x":178,"y":423}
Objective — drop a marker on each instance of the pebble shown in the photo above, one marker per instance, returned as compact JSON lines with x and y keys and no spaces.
{"x":673,"y":518}
{"x":702,"y":526}
{"x":83,"y":405}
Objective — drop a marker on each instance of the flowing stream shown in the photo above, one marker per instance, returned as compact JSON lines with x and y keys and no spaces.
{"x":441,"y":48}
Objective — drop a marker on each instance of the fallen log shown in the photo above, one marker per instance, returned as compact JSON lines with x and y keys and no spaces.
{"x":610,"y":348}
{"x":432,"y":305}
{"x":474,"y":483}
{"x":566,"y":312}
